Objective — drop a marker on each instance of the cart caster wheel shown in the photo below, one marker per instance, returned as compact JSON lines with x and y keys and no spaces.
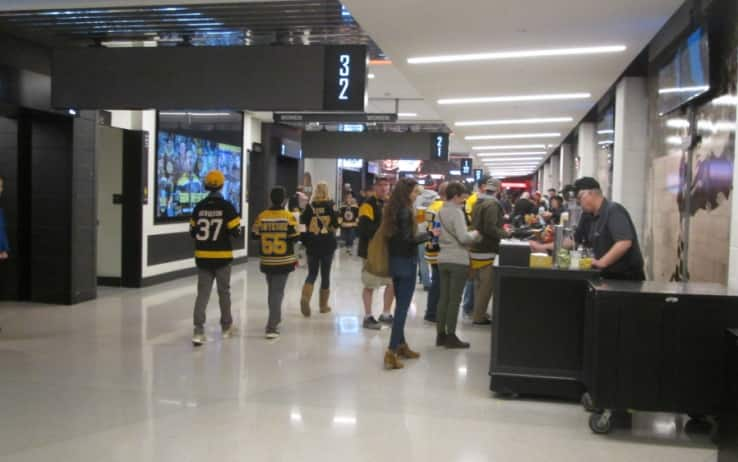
{"x":587,"y":403}
{"x":601,"y":423}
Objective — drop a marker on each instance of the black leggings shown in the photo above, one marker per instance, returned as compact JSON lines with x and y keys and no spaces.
{"x":323,"y":264}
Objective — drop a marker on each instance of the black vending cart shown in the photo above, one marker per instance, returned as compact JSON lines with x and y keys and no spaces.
{"x":655,"y":346}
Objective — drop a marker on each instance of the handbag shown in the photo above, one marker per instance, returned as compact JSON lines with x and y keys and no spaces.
{"x":377,"y":259}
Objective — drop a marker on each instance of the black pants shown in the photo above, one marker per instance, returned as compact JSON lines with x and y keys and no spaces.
{"x":322,"y":263}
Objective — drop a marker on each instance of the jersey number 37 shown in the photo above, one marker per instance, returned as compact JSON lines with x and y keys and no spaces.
{"x":208,"y":229}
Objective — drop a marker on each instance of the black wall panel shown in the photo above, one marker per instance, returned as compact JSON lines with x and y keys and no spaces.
{"x":9,"y":270}
{"x":166,"y":248}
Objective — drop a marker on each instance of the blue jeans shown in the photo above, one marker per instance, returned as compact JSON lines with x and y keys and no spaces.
{"x":348,"y":236}
{"x":402,"y":270}
{"x":468,"y":303}
{"x":434,"y":294}
{"x":423,"y":266}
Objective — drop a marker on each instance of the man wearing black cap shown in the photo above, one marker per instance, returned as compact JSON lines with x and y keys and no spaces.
{"x":611,"y":234}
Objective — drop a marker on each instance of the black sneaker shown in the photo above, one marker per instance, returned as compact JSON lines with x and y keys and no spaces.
{"x":386,"y":318}
{"x":371,"y":323}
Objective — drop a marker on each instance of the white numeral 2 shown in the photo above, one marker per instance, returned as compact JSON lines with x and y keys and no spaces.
{"x":344,"y":72}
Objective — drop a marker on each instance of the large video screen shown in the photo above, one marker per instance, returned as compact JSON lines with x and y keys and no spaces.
{"x":687,"y":75}
{"x":182,"y":162}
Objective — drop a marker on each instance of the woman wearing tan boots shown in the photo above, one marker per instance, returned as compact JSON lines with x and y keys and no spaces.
{"x":321,"y":221}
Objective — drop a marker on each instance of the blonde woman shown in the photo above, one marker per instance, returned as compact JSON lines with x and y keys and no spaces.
{"x":320,"y":220}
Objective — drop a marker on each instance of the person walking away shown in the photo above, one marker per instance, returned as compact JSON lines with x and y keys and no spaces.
{"x":214,"y":222}
{"x":453,"y":264}
{"x":277,"y":229}
{"x":432,"y":249}
{"x":370,"y":217}
{"x":320,"y":220}
{"x":400,"y":229}
{"x":348,"y":217}
{"x":488,"y":219}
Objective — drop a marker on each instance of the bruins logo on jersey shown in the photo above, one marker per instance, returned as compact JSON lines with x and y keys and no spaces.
{"x":348,"y":215}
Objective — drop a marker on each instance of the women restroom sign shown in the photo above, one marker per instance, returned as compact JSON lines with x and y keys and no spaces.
{"x":345,"y":78}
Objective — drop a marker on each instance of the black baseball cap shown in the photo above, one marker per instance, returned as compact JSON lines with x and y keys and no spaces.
{"x":585,"y":183}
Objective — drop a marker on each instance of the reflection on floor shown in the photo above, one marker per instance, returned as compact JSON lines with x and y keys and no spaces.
{"x":118,"y":380}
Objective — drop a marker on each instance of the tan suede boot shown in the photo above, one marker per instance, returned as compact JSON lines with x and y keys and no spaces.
{"x":404,"y":351}
{"x":307,"y":294}
{"x":325,"y":294}
{"x":392,"y":361}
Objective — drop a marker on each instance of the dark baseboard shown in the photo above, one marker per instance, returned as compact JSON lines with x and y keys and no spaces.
{"x":167,"y":277}
{"x":109,"y":282}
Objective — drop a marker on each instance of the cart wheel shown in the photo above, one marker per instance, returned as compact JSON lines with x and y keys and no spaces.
{"x":600,"y":423}
{"x":587,"y":402}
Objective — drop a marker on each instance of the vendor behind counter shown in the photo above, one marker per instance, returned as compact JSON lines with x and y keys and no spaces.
{"x":607,"y":228}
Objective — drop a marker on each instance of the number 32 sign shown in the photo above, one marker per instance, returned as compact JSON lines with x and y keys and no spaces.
{"x":345,"y":78}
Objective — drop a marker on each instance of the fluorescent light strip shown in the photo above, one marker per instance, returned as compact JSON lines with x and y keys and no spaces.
{"x":512,"y":160}
{"x":518,"y":54}
{"x":727,"y":100}
{"x":197,"y":114}
{"x":514,"y":146}
{"x":605,"y":132}
{"x":371,"y":76}
{"x":602,"y":143}
{"x":407,"y":114}
{"x":515,"y":99}
{"x":549,"y":120}
{"x":666,"y":91}
{"x":512,"y":137}
{"x":677,"y":123}
{"x":507,"y":154}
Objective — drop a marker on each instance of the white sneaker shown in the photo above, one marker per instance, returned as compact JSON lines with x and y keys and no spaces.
{"x":272,"y":334}
{"x":230,"y":332}
{"x":199,"y":339}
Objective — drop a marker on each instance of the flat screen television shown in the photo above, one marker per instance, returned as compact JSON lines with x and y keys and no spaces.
{"x":289,"y":148}
{"x":182,"y":162}
{"x":687,"y":74}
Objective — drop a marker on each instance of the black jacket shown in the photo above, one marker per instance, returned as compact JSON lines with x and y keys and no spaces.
{"x":370,"y":217}
{"x":321,"y":221}
{"x":404,"y":241}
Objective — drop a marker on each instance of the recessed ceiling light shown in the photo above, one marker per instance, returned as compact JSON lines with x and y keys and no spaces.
{"x":508,"y":154}
{"x":549,"y":120}
{"x":371,"y":76}
{"x":512,"y":137}
{"x":666,"y":91}
{"x":515,"y":99}
{"x":514,"y":146}
{"x":606,"y":142}
{"x":407,"y":114}
{"x":518,"y":54}
{"x":512,"y":159}
{"x":605,"y":132}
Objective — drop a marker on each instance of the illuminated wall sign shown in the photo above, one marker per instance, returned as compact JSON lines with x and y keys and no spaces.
{"x":355,"y":128}
{"x":513,"y":185}
{"x":345,"y":78}
{"x":439,"y":146}
{"x":466,"y":167}
{"x":327,"y":117}
{"x":352,"y":164}
{"x":477,"y":174}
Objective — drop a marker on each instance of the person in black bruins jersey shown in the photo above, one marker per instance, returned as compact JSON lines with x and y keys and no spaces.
{"x":348,"y":217}
{"x":276,"y":228}
{"x":321,"y":221}
{"x":214,"y":221}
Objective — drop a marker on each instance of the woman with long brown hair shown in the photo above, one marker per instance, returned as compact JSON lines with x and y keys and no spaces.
{"x":400,"y":228}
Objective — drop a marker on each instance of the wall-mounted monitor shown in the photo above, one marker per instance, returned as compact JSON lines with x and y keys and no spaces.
{"x":187,"y":148}
{"x":478,"y":173}
{"x":466,"y":167}
{"x":439,"y":146}
{"x":687,"y":73}
{"x":289,"y":148}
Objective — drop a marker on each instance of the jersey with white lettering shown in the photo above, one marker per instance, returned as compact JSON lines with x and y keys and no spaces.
{"x":214,"y":222}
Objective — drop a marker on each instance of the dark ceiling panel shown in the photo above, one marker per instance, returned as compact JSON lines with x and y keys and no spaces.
{"x":298,"y":22}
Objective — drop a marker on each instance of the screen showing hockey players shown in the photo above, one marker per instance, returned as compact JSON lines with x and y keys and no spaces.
{"x":182,"y":162}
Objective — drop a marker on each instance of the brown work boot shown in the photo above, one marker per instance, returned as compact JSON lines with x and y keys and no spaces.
{"x":440,"y":339}
{"x":325,"y":294}
{"x":307,"y":294}
{"x":392,"y":361}
{"x":454,"y":343}
{"x":404,"y":351}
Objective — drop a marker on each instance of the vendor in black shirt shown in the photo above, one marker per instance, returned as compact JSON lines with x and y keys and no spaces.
{"x":611,"y":234}
{"x":605,"y":227}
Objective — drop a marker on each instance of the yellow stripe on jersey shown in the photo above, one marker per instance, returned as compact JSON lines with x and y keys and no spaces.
{"x":214,"y":254}
{"x":234,"y":223}
{"x":366,"y":210}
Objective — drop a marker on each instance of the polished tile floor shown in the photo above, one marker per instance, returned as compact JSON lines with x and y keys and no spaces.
{"x":118,"y":380}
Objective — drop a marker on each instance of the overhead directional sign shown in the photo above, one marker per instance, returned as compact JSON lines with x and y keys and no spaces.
{"x":332,"y":117}
{"x":345,"y":78}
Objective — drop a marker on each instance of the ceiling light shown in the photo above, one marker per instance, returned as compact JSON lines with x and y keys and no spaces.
{"x":549,"y":120}
{"x":677,"y":123}
{"x":727,"y":100}
{"x":506,"y":154}
{"x":407,"y":114}
{"x":512,"y":137}
{"x":518,"y":54}
{"x":605,"y":132}
{"x":602,"y":143}
{"x":380,"y":62}
{"x":515,"y":99}
{"x":197,"y":114}
{"x":514,"y":146}
{"x":674,"y":140}
{"x":371,"y":76}
{"x":512,"y":159}
{"x":666,"y":91}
